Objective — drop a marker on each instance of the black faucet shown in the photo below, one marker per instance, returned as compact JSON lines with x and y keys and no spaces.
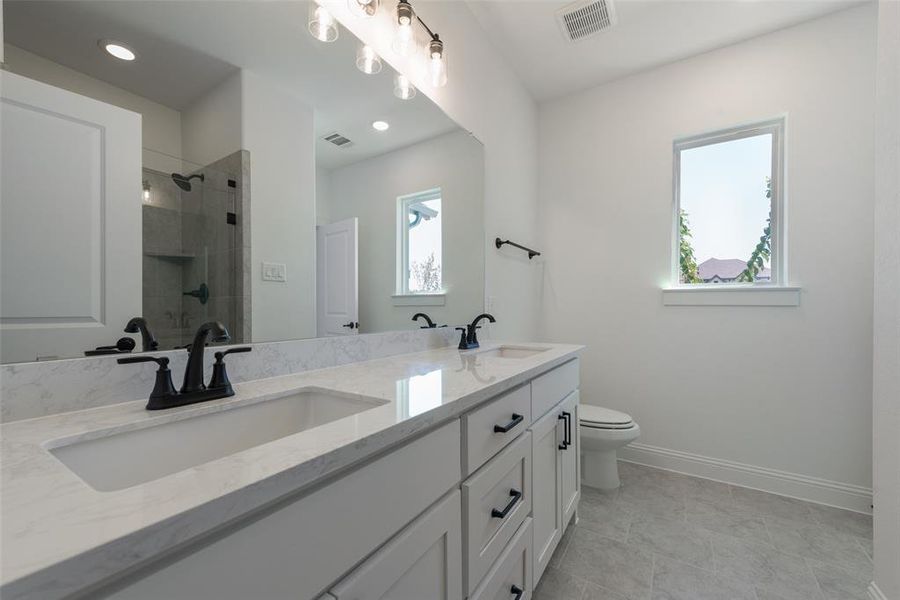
{"x":193,"y":372}
{"x":429,"y":323}
{"x":139,"y":324}
{"x":193,"y":390}
{"x":469,"y":337}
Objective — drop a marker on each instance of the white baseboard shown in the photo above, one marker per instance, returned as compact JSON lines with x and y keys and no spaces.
{"x":803,"y":487}
{"x":875,"y":593}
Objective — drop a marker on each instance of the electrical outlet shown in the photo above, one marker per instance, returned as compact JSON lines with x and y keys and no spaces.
{"x":274,"y":272}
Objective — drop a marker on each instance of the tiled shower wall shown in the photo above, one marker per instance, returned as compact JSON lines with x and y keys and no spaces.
{"x":163,"y":259}
{"x":193,"y":238}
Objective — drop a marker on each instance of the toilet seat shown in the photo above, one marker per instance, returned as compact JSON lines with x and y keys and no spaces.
{"x":597,"y":417}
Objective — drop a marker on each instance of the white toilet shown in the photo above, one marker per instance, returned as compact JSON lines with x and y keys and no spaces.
{"x":603,"y":431}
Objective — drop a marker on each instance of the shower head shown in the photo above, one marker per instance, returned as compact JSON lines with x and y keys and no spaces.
{"x":185,"y":182}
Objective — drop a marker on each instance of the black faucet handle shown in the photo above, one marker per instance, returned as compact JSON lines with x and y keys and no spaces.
{"x":221,"y":354}
{"x":163,"y":389}
{"x":162,"y":361}
{"x":219,"y":378}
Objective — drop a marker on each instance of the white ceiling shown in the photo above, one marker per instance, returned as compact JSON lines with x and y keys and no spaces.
{"x":649,"y":33}
{"x":186,"y":47}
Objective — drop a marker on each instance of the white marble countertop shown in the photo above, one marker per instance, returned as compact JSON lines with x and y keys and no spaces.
{"x":60,"y":535}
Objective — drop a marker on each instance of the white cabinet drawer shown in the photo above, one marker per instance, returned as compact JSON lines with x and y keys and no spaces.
{"x":422,"y":561}
{"x":549,"y":389}
{"x":492,"y":426}
{"x":496,"y":500}
{"x":299,"y":549}
{"x":511,"y":576}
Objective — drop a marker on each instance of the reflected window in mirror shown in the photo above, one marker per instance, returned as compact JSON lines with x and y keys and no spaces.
{"x":419,"y":251}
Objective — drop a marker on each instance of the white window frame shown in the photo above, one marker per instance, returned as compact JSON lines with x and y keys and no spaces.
{"x":404,"y":297}
{"x":778,"y":262}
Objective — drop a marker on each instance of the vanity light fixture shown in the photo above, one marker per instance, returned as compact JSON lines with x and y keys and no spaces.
{"x":380,"y":125}
{"x":405,"y":37}
{"x":322,"y":25}
{"x":363,"y":8}
{"x":437,"y":62}
{"x":367,"y":60}
{"x":405,"y":40}
{"x":403,"y":89}
{"x":117,"y":49}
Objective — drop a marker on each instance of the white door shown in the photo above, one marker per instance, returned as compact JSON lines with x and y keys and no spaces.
{"x":337,"y":284}
{"x":70,"y":250}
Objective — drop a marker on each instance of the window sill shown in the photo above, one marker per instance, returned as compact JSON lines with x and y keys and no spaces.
{"x":731,"y":296}
{"x":419,"y":299}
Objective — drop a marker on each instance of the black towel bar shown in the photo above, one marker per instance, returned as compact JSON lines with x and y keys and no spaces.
{"x":531,"y":253}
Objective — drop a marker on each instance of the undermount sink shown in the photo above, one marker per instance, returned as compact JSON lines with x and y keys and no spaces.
{"x":121,"y":460}
{"x":511,"y":352}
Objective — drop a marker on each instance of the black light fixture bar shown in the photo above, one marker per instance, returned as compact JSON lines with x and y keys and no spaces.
{"x":431,"y":34}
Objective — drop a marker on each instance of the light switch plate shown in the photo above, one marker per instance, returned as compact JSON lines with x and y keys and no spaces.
{"x":274,"y":272}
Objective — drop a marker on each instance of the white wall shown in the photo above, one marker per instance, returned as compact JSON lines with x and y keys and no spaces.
{"x":279,"y":133}
{"x":211,"y":125}
{"x":887,"y":303}
{"x":369,"y":190}
{"x":323,"y":196}
{"x":785,"y":389}
{"x":485,"y":97}
{"x":160,"y":125}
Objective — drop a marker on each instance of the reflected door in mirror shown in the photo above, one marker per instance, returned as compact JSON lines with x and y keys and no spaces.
{"x":71,"y":215}
{"x":337,"y":280}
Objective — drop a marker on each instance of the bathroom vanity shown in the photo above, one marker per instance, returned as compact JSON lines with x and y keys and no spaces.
{"x":437,"y":474}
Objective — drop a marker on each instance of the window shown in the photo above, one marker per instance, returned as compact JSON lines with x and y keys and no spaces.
{"x":419,"y":243}
{"x":729,"y":207}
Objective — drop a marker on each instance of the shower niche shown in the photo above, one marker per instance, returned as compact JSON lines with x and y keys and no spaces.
{"x":195,"y":245}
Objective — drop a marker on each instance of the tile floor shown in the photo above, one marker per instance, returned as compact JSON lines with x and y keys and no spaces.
{"x":665,"y":536}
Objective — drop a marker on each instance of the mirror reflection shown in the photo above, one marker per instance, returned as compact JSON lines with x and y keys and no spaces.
{"x":214,"y":161}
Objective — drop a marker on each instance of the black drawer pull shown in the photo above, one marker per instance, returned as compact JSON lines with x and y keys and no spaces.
{"x":565,"y":443}
{"x":501,"y":514}
{"x":568,"y":436}
{"x":517,"y":591}
{"x":516,"y":419}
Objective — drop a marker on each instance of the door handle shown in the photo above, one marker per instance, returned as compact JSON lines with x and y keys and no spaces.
{"x":565,"y":442}
{"x":517,"y":591}
{"x":349,"y":325}
{"x":516,"y":419}
{"x":516,"y":495}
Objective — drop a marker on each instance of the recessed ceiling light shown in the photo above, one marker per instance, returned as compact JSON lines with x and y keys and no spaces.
{"x":380,"y":125}
{"x":117,"y":49}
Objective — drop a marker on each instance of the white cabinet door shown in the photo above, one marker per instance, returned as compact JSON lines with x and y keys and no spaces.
{"x":546,"y":481}
{"x":570,"y":486}
{"x":337,"y":278}
{"x":71,"y":170}
{"x":422,"y":561}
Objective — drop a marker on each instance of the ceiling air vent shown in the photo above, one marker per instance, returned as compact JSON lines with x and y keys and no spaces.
{"x":338,"y":140}
{"x":584,"y":19}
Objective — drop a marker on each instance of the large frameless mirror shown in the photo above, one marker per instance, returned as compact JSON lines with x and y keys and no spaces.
{"x":188,"y":161}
